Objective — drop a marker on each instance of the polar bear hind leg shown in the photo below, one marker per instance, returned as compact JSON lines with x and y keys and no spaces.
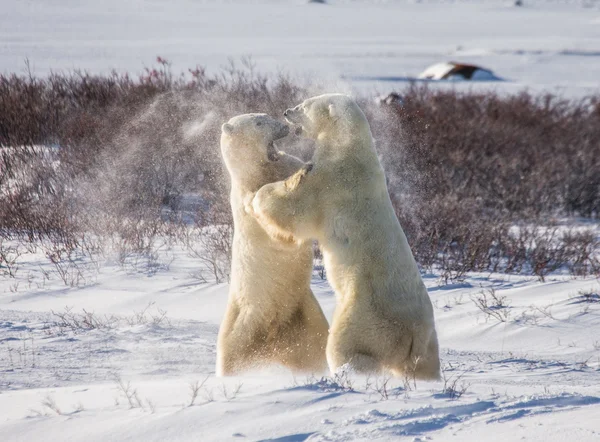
{"x":427,"y":363}
{"x":302,"y":340}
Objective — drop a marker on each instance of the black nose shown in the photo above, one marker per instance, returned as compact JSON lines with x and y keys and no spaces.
{"x":285,"y":114}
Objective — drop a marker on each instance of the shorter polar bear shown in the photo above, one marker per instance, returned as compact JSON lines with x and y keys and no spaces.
{"x":383,"y":319}
{"x":272,"y":315}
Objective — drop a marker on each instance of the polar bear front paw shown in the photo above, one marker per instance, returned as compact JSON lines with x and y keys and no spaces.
{"x":262,"y":210}
{"x":247,"y":202}
{"x":258,"y":201}
{"x":294,"y":181}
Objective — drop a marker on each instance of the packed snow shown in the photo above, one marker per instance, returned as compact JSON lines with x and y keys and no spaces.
{"x":117,"y":358}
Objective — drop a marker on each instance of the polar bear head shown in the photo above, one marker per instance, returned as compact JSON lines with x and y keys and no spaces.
{"x":329,"y":115}
{"x":247,"y":145}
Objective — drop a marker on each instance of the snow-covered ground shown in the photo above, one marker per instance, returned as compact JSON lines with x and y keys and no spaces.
{"x":528,"y":369}
{"x":533,"y":373}
{"x":543,"y":45}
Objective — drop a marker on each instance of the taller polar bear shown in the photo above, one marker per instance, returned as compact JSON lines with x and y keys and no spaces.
{"x":383,"y":319}
{"x":272,"y":315}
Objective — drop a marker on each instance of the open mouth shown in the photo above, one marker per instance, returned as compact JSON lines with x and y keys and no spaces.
{"x":272,"y":153}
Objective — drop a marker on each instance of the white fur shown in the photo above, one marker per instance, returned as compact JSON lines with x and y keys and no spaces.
{"x":384,"y":318}
{"x":272,"y":315}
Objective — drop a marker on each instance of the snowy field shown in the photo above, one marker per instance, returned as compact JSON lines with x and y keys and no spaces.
{"x":130,"y":355}
{"x":544,"y":45}
{"x":530,"y":370}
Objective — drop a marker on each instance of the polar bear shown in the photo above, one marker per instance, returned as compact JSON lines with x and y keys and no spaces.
{"x":272,"y":315}
{"x":383,"y":320}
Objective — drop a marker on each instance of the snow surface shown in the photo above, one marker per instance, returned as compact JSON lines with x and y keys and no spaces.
{"x":544,"y":45}
{"x":535,"y":376}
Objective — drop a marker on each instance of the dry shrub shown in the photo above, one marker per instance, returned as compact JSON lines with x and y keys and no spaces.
{"x":128,"y":158}
{"x":131,"y":160}
{"x":492,"y":305}
{"x":210,"y":240}
{"x":463,"y":168}
{"x":517,"y":153}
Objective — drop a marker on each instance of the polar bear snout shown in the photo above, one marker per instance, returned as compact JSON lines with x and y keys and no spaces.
{"x":294,"y":115}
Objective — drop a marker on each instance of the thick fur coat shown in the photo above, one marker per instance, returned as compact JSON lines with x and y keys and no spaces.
{"x":383,"y":319}
{"x":272,"y":316}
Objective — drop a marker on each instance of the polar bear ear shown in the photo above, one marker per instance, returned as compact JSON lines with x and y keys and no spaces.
{"x":227,"y":128}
